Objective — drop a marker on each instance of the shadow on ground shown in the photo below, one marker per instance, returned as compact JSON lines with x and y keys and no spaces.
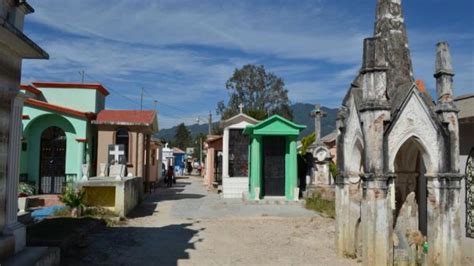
{"x":137,"y":246}
{"x":163,"y":193}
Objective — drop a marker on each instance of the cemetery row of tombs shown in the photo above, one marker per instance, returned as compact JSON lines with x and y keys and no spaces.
{"x":402,"y":183}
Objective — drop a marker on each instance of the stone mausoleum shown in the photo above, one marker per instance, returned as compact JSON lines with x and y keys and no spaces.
{"x":398,"y":188}
{"x":58,"y":137}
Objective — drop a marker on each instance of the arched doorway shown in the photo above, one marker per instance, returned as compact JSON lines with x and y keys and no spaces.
{"x":411,"y":212}
{"x":122,"y":138}
{"x":52,"y":161}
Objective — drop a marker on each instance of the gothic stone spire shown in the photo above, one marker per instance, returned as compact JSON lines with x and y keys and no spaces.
{"x":390,"y":27}
{"x":444,"y":74}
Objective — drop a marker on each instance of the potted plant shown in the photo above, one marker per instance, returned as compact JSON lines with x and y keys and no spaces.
{"x":74,"y":199}
{"x":24,"y":190}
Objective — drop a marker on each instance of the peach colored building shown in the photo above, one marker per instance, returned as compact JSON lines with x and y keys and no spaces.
{"x":212,"y":145}
{"x":133,"y":129}
{"x":330,"y":141}
{"x":155,"y":160}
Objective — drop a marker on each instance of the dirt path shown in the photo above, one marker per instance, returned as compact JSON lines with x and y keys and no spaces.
{"x":186,"y":225}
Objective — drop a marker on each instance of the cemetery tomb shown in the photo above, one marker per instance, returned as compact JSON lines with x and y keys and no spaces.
{"x":59,"y":143}
{"x":213,"y":170}
{"x":125,"y":138}
{"x":273,"y":159}
{"x":410,"y":153}
{"x":235,"y":171}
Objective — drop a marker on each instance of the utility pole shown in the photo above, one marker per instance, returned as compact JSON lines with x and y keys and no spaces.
{"x":82,"y":73}
{"x":198,"y":120}
{"x":210,"y":123}
{"x":141,"y":99}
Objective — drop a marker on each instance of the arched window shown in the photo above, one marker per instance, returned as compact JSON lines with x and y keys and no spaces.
{"x":122,"y":138}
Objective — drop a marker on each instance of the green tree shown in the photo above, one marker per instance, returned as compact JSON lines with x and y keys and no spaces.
{"x":262,"y":93}
{"x":182,"y":138}
{"x":306,"y":142}
{"x":200,"y":138}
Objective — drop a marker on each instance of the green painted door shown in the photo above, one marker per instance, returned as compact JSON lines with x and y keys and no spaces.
{"x":274,"y":150}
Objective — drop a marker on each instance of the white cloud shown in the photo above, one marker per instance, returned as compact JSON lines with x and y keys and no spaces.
{"x":183,"y":51}
{"x":291,"y":31}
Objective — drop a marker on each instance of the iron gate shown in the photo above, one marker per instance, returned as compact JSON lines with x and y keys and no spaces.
{"x":470,"y":195}
{"x":52,"y":161}
{"x":274,"y":166}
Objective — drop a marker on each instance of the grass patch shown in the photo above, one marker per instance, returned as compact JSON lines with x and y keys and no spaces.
{"x":62,"y":212}
{"x":110,"y":217}
{"x":324,"y":206}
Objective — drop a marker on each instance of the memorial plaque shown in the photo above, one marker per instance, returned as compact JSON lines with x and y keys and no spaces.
{"x":238,"y":153}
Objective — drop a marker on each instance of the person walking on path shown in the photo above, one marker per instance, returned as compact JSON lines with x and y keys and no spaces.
{"x":170,"y":176}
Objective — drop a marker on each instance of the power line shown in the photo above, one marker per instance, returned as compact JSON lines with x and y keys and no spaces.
{"x":136,"y":102}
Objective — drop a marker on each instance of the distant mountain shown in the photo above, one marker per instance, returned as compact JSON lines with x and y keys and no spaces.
{"x":301,"y":116}
{"x":169,"y":133}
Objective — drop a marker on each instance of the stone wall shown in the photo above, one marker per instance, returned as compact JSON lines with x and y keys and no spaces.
{"x":234,"y":187}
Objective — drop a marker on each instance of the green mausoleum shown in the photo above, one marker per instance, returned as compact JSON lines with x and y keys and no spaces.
{"x":58,"y":137}
{"x":273,"y":158}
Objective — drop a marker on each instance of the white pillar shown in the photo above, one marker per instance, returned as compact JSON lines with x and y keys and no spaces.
{"x":225,"y":154}
{"x":12,"y":226}
{"x":80,"y":158}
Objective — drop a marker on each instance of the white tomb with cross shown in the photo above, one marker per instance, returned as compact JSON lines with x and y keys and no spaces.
{"x":234,"y":185}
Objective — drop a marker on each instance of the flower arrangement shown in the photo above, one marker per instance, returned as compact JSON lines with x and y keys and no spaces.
{"x":74,"y":199}
{"x":25,"y":190}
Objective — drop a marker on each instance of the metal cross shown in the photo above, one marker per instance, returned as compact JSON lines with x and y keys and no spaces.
{"x":241,"y":107}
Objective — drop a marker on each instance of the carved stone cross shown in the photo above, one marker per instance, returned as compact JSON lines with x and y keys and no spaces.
{"x":318,"y":113}
{"x":241,"y":107}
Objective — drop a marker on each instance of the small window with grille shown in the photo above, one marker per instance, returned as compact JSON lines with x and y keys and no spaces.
{"x":470,"y":195}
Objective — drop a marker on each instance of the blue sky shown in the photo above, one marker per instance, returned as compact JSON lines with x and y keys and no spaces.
{"x":183,"y":51}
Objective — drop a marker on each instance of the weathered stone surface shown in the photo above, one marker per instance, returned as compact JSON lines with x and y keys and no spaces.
{"x":383,"y":113}
{"x":406,"y":225}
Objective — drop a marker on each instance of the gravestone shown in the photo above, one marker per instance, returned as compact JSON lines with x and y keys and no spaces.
{"x":85,"y":172}
{"x":117,"y":154}
{"x":117,"y":171}
{"x":103,"y":169}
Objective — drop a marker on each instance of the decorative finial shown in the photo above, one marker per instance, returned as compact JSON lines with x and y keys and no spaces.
{"x":241,"y":107}
{"x":443,"y":60}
